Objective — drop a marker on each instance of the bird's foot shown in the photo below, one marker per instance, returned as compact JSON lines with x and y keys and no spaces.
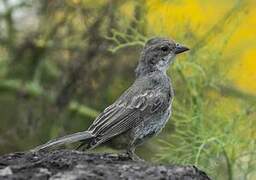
{"x":124,"y":157}
{"x":133,"y":156}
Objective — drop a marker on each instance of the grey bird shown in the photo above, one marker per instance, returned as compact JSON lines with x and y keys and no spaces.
{"x":141,"y":111}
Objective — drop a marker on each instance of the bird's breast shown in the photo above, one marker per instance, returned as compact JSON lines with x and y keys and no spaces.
{"x":153,"y":125}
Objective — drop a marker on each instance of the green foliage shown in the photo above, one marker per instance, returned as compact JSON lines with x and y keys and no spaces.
{"x":122,"y":40}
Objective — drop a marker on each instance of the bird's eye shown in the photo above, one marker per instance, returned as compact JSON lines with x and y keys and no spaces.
{"x":165,"y":48}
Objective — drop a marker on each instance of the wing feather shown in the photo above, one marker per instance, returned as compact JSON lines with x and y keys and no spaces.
{"x":126,"y":113}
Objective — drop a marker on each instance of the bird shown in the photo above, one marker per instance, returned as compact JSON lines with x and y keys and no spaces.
{"x":141,"y":112}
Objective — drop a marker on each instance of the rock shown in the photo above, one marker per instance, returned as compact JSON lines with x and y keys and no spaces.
{"x":72,"y":165}
{"x":5,"y":171}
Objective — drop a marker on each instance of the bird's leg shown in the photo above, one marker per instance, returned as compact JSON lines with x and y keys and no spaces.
{"x":131,"y":154}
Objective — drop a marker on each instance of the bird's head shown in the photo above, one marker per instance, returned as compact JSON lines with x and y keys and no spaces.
{"x":157,"y":55}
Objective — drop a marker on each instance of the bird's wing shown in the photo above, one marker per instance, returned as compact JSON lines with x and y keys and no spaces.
{"x":126,"y":113}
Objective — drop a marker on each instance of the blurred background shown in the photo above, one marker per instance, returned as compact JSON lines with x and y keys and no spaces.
{"x":64,"y":61}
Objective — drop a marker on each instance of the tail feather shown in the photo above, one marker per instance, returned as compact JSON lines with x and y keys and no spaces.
{"x":64,"y":140}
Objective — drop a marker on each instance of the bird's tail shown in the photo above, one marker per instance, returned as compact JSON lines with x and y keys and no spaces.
{"x":64,"y":140}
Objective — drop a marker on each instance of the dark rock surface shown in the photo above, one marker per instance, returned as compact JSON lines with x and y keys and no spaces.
{"x":71,"y":165}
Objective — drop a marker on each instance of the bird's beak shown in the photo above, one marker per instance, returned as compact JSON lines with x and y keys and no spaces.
{"x":180,"y":49}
